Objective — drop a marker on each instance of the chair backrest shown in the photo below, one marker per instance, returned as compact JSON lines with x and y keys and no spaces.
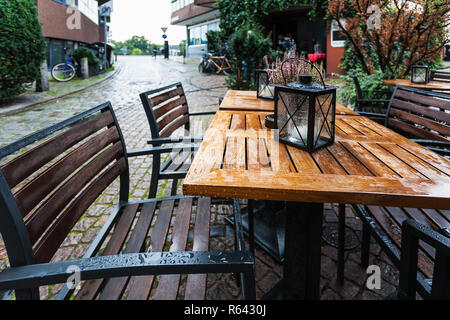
{"x":46,"y":189}
{"x":419,"y":114}
{"x":412,"y":233}
{"x":357,"y":85}
{"x":440,"y":76}
{"x":166,"y":109}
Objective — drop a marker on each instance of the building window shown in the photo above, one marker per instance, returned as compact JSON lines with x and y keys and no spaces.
{"x":179,"y":4}
{"x":337,"y":38}
{"x":197,"y":34}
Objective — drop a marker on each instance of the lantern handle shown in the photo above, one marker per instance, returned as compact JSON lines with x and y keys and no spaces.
{"x":318,"y":71}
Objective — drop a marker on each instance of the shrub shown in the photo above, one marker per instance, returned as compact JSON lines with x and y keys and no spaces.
{"x":22,"y":46}
{"x":83,"y":52}
{"x":248,"y":47}
{"x":136,"y":52}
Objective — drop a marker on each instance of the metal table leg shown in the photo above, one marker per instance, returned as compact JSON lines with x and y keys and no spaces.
{"x":302,"y":251}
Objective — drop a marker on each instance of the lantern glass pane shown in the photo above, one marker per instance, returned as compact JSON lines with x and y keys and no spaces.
{"x":265,"y":89}
{"x":323,"y":129}
{"x":293,"y":117}
{"x":419,"y":75}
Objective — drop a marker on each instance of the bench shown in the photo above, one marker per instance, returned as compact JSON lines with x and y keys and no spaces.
{"x":422,"y":116}
{"x":436,"y":75}
{"x":142,"y":251}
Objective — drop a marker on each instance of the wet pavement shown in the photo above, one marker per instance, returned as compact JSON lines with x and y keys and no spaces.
{"x":137,"y":74}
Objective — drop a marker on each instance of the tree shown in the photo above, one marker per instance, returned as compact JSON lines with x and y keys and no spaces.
{"x":22,"y":46}
{"x":392,"y":35}
{"x":141,"y":43}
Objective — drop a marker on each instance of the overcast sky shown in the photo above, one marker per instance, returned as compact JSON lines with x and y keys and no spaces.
{"x":144,"y":18}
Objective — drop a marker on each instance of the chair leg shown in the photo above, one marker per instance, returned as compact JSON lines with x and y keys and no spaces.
{"x":341,"y":244}
{"x":249,"y":286}
{"x":173,"y":191}
{"x":365,"y":246}
{"x":251,"y":226}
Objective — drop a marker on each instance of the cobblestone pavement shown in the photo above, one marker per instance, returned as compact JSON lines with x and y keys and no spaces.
{"x":138,"y":74}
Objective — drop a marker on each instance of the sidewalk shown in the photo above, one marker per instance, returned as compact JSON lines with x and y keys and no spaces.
{"x":31,"y":98}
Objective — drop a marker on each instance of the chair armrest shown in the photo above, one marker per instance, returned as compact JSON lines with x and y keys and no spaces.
{"x":123,"y":265}
{"x":175,"y":140}
{"x":202,"y":113}
{"x":159,"y":150}
{"x":440,"y":147}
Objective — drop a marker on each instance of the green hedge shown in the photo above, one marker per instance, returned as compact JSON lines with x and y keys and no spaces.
{"x":83,"y":52}
{"x":22,"y":46}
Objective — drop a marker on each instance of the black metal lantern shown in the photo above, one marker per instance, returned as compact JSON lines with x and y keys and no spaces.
{"x":420,"y":74}
{"x":266,"y":90}
{"x":305,"y":112}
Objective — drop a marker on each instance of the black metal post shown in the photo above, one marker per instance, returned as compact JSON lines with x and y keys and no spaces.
{"x":341,"y":244}
{"x":302,"y":251}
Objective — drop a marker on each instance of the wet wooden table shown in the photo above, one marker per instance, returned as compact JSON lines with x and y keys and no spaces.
{"x":432,"y":85}
{"x":368,"y":164}
{"x":241,"y":100}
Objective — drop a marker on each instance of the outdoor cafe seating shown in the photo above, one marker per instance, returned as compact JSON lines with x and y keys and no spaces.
{"x":159,"y":248}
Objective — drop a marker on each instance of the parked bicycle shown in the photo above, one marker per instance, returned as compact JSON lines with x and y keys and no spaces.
{"x":65,"y":71}
{"x":215,"y":63}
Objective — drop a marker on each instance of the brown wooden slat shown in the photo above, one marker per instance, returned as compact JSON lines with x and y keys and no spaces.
{"x":390,"y":222}
{"x":168,"y":284}
{"x":345,"y":127}
{"x":354,"y":123}
{"x":302,"y":160}
{"x":414,"y":161}
{"x":169,"y":117}
{"x":257,"y":158}
{"x":115,"y":287}
{"x":35,"y":190}
{"x":92,"y":287}
{"x":327,"y":163}
{"x":157,"y":99}
{"x":196,"y":283}
{"x":141,"y":285}
{"x":21,"y":167}
{"x":429,"y":124}
{"x":426,"y":111}
{"x":279,"y":157}
{"x":39,"y":221}
{"x":426,"y":100}
{"x":238,"y":121}
{"x":417,"y":132}
{"x":392,"y":161}
{"x":234,"y":153}
{"x":351,"y":165}
{"x":437,"y":217}
{"x":46,"y":247}
{"x":174,"y":125}
{"x":253,"y":122}
{"x":167,"y":107}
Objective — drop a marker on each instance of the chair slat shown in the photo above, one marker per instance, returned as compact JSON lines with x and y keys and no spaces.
{"x":196,"y":283}
{"x":92,"y":287}
{"x":423,"y":99}
{"x":426,"y":111}
{"x":429,"y":124}
{"x":165,"y":108}
{"x":141,"y":285}
{"x":115,"y":287}
{"x":21,"y":167}
{"x":46,"y":213}
{"x":170,"y":117}
{"x":34,"y":191}
{"x":46,"y":247}
{"x":168,"y":284}
{"x":417,"y":132}
{"x":174,"y":125}
{"x":157,"y":99}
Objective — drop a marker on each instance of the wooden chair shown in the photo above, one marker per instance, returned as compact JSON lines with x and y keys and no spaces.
{"x":416,"y":114}
{"x":423,"y":116}
{"x":142,"y":249}
{"x":436,"y":75}
{"x":372,"y":104}
{"x":414,"y":233}
{"x":167,"y":111}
